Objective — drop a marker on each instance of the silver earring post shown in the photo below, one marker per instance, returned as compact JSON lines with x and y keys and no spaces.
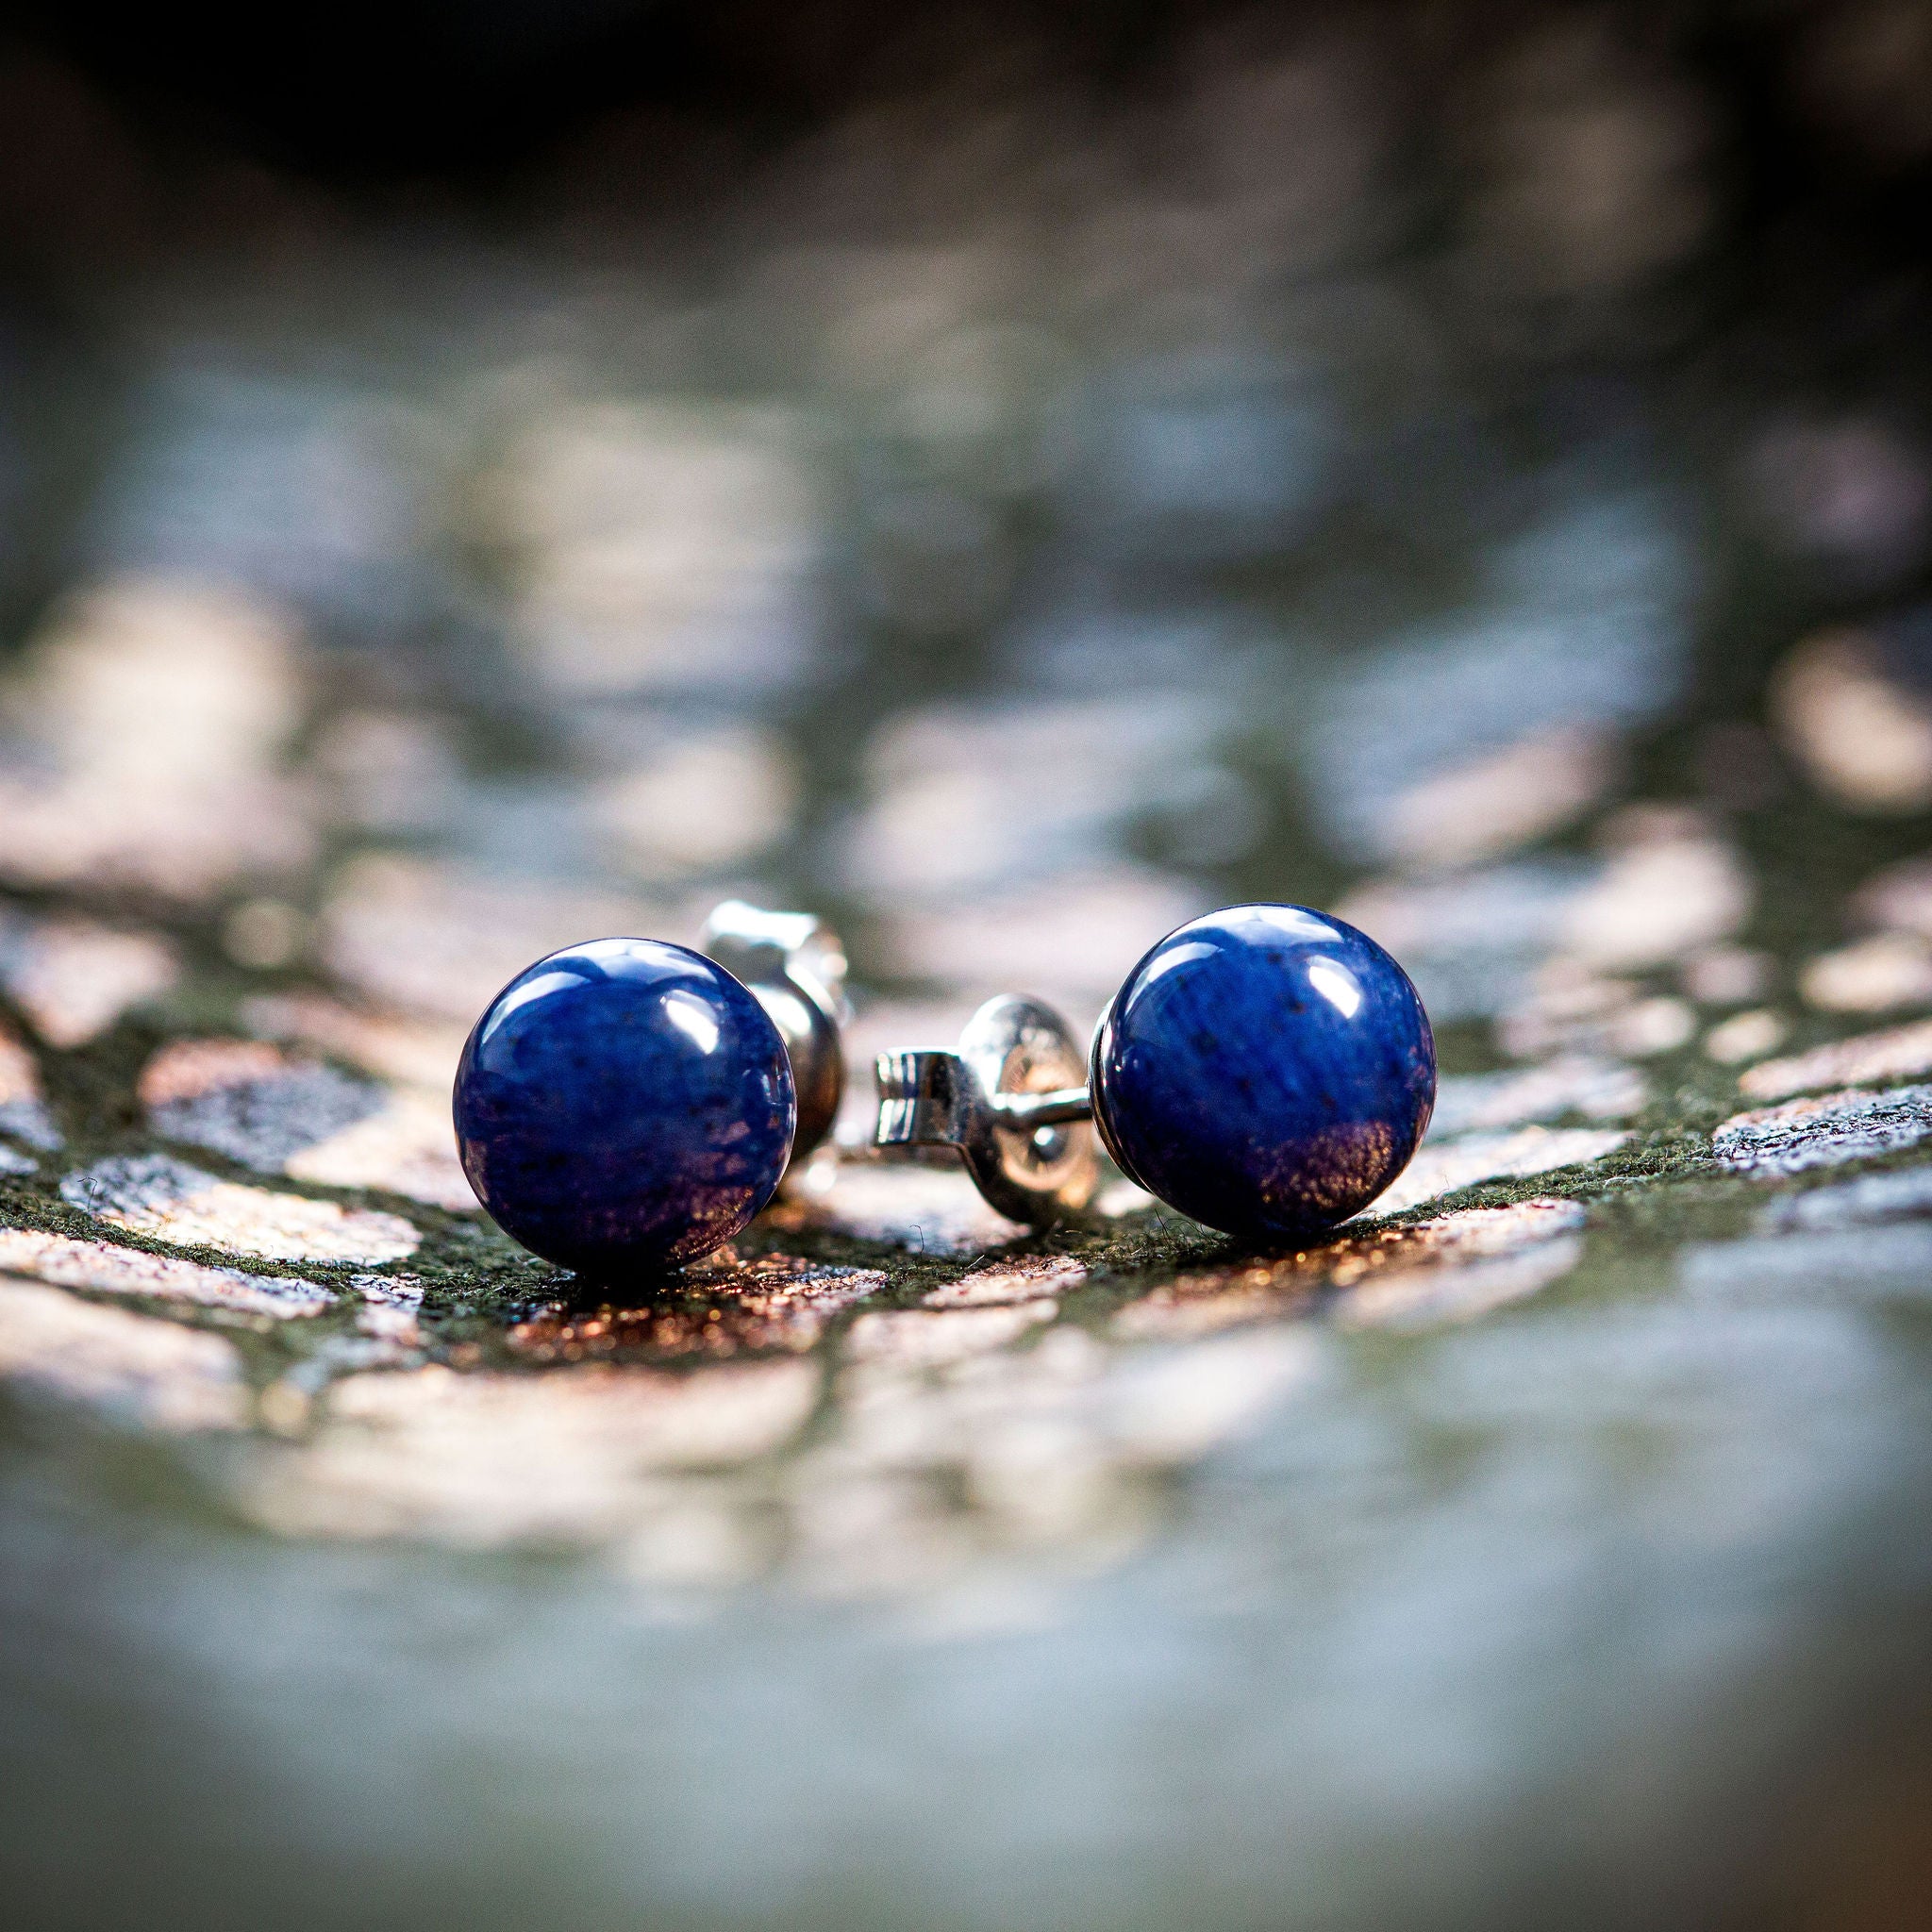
{"x":1012,"y":1098}
{"x":793,"y":965}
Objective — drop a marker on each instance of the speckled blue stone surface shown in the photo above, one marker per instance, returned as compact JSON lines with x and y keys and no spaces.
{"x":1266,"y":1070}
{"x":624,"y":1104}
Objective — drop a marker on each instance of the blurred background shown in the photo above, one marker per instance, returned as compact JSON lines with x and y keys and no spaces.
{"x":1008,"y":478}
{"x":1005,"y":479}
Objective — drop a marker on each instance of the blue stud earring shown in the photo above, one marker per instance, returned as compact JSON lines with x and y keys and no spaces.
{"x":627,"y":1104}
{"x":1266,"y":1070}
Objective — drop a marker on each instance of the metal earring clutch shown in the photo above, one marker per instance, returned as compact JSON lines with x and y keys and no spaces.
{"x":1011,"y":1097}
{"x":793,"y":965}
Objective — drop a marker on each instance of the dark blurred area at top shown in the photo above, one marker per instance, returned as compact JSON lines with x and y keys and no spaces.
{"x":367,"y":96}
{"x":378,"y":98}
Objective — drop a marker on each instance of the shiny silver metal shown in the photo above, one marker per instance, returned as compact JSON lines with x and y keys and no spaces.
{"x":793,"y":965}
{"x":1010,"y":1099}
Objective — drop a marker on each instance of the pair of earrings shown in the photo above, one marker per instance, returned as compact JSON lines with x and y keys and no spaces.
{"x":628,"y":1103}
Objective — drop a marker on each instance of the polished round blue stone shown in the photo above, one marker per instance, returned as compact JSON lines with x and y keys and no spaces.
{"x":623,"y":1105}
{"x":1266,"y":1070}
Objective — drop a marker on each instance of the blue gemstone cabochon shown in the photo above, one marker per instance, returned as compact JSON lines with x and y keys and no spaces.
{"x":624,"y":1104}
{"x":1266,"y":1069}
